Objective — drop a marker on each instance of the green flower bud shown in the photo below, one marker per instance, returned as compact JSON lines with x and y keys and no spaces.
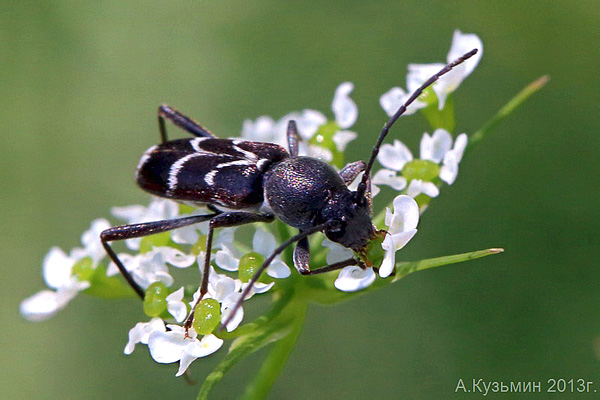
{"x":155,"y":302}
{"x":249,"y":264}
{"x":207,"y":315}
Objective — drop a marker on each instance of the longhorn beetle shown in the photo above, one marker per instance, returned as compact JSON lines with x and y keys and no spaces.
{"x":243,"y":182}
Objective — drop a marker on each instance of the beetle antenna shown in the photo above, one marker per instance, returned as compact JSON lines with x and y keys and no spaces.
{"x":363,"y":184}
{"x":266,"y":263}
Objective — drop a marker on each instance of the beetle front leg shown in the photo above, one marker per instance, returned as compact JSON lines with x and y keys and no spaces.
{"x":302,"y":259}
{"x":221,"y":221}
{"x":180,"y":120}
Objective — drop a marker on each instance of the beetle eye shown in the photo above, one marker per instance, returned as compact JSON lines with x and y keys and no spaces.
{"x":335,"y":226}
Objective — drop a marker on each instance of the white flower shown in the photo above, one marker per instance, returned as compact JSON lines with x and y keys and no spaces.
{"x":140,"y":333}
{"x":417,"y":186}
{"x":174,"y":345}
{"x":436,"y":148}
{"x":336,"y":252}
{"x":354,"y":278}
{"x":91,"y":242}
{"x":402,"y":226}
{"x":57,"y":270}
{"x":150,"y":267}
{"x":157,"y":210}
{"x":175,"y":306}
{"x":343,"y":107}
{"x":266,"y":129}
{"x":419,"y":73}
{"x":461,"y":44}
{"x":263,"y":243}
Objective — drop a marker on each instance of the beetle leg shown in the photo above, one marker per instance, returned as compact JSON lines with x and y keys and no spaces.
{"x":139,"y":230}
{"x":293,"y":138}
{"x":221,"y":221}
{"x":180,"y":120}
{"x":330,"y":267}
{"x":276,"y":252}
{"x":302,"y":256}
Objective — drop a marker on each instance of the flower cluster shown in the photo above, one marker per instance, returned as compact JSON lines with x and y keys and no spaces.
{"x":153,"y":261}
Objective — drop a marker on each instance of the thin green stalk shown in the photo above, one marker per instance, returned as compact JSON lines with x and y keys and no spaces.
{"x":507,"y":110}
{"x":277,"y":358}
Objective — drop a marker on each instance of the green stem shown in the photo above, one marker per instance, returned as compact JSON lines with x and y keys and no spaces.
{"x":507,"y":110}
{"x":277,"y":358}
{"x":273,"y":326}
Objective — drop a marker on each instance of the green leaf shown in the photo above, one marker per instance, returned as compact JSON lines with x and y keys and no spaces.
{"x":405,"y":268}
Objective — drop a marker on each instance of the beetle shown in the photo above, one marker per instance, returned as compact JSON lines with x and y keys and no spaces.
{"x":242,"y":182}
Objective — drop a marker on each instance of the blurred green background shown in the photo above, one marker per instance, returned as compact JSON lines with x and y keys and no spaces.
{"x":80,"y":83}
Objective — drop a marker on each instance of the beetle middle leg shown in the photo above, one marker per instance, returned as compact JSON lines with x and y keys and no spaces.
{"x":223,"y":220}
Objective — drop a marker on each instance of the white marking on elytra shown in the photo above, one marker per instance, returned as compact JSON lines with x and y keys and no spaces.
{"x":235,"y":162}
{"x":260,"y":164}
{"x":145,"y":157}
{"x":209,"y":178}
{"x":247,"y":154}
{"x":195,"y":143}
{"x":176,"y":167}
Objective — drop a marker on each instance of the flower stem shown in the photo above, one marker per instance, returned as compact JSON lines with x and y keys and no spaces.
{"x":507,"y":110}
{"x":278,"y":356}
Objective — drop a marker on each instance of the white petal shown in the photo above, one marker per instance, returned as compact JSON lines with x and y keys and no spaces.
{"x":263,"y":242}
{"x":344,"y":108}
{"x":336,"y":252}
{"x":417,"y":186}
{"x":320,"y":153}
{"x":389,"y":259}
{"x":40,"y":306}
{"x":140,"y":333}
{"x":434,"y":147}
{"x":394,"y":156}
{"x":278,"y":269}
{"x":220,"y":286}
{"x":227,"y":306}
{"x":185,"y":235}
{"x":128,"y":213}
{"x":460,"y":144}
{"x":91,"y":239}
{"x":419,"y":73}
{"x":57,"y":268}
{"x":226,"y":260}
{"x":184,"y":363}
{"x":175,"y":306}
{"x":308,"y":122}
{"x":342,"y":138}
{"x":463,"y":43}
{"x":405,"y":216}
{"x":394,"y":98}
{"x":354,"y":278}
{"x":260,"y":130}
{"x":167,"y":347}
{"x":449,"y":169}
{"x":390,"y":178}
{"x":176,"y":257}
{"x":202,"y":348}
{"x":226,"y":237}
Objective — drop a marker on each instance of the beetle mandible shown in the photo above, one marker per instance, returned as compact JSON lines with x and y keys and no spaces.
{"x":242,"y":182}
